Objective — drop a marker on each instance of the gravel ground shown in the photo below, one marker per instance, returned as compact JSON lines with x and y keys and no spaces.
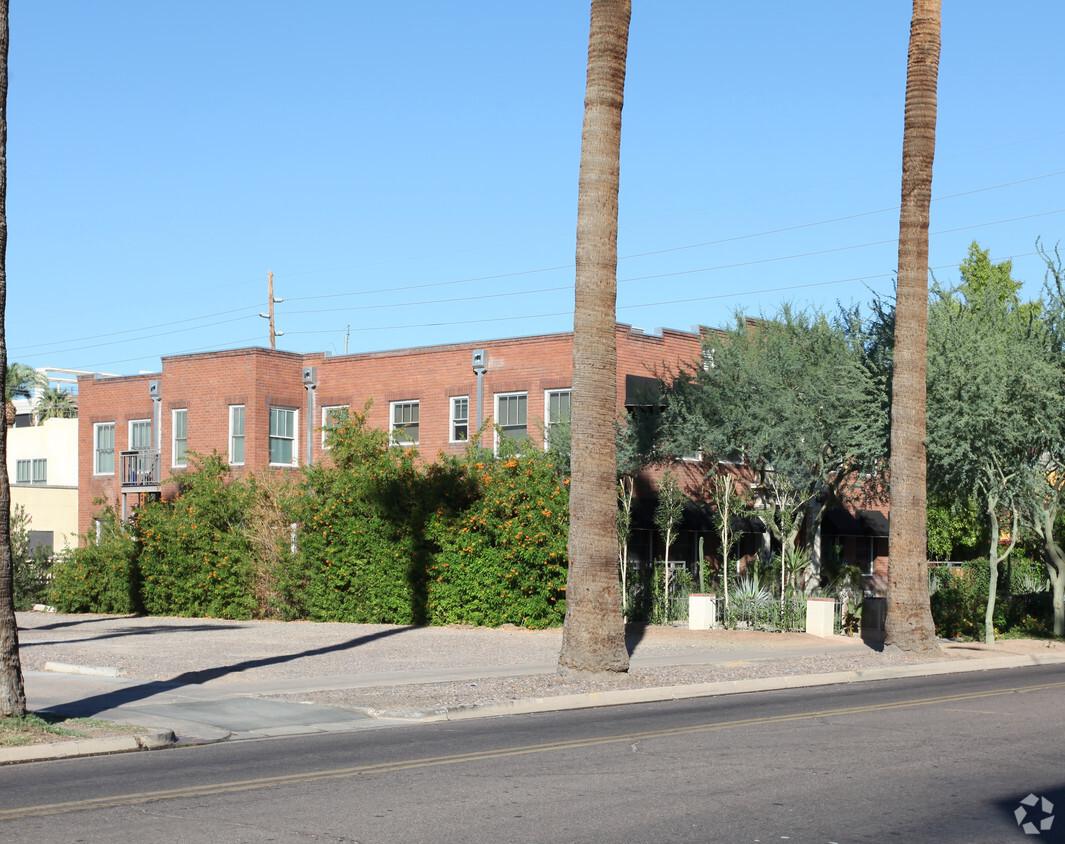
{"x":218,"y":652}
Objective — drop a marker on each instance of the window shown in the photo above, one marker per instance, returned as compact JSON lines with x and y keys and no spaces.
{"x":460,"y":419}
{"x":556,"y":411}
{"x":181,"y":435}
{"x":236,"y":434}
{"x":282,"y":437}
{"x":103,"y":437}
{"x":405,"y":416}
{"x":512,"y":413}
{"x":333,"y":416}
{"x":140,"y":434}
{"x":33,"y":471}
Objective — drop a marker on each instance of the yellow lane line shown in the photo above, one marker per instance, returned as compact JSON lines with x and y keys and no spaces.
{"x":458,"y":758}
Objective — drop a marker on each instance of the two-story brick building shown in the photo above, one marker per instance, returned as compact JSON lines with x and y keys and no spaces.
{"x":262,"y":407}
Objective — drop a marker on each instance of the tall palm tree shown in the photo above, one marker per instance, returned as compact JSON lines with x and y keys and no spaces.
{"x":909,"y":617}
{"x":593,"y":638}
{"x":12,"y":689}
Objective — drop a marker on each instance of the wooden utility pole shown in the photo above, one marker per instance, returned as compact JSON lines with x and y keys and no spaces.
{"x":270,"y":315}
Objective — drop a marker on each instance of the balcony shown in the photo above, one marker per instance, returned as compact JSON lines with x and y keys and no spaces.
{"x":141,"y":471}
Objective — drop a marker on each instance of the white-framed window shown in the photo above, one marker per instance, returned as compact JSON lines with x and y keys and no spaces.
{"x":103,"y":445}
{"x":236,"y":434}
{"x":31,"y":471}
{"x":181,"y":436}
{"x":459,"y":425}
{"x":333,"y":416}
{"x":512,"y":415}
{"x":282,"y":436}
{"x":404,"y":426}
{"x":556,"y":410}
{"x":140,"y":434}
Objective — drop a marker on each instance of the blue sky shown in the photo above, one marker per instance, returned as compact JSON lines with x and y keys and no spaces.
{"x":409,"y":170}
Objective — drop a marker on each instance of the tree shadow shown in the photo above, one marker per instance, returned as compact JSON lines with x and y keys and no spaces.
{"x":138,"y":631}
{"x":132,"y":694}
{"x":634,"y":633}
{"x":60,"y":624}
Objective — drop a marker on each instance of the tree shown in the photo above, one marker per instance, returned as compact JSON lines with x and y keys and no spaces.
{"x":1051,"y":492}
{"x":668,"y":515}
{"x":19,"y":383}
{"x":994,"y":398}
{"x":593,"y":638}
{"x":909,"y":623}
{"x":12,"y":689}
{"x":55,"y":403}
{"x":791,"y":399}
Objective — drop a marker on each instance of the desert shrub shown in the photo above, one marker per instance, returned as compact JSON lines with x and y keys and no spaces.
{"x":503,"y":559}
{"x":195,"y":558}
{"x":101,"y":575}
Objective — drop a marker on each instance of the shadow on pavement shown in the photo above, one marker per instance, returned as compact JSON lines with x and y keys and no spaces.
{"x":131,"y":694}
{"x":136,"y":631}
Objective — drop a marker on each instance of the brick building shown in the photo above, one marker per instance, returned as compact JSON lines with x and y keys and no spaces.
{"x":260,"y":407}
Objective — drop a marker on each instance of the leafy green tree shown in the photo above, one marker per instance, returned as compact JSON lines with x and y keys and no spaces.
{"x":994,"y":397}
{"x":1047,"y":509}
{"x":669,"y":512}
{"x":793,"y":399}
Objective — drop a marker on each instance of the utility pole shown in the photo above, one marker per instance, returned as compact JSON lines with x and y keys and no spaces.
{"x":270,"y":316}
{"x":346,"y":336}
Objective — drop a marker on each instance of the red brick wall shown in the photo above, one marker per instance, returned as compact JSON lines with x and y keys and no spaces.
{"x":207,"y":384}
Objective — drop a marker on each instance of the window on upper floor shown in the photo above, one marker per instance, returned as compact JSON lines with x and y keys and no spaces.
{"x":103,"y":438}
{"x":140,"y":434}
{"x":236,"y":434}
{"x":333,"y":416}
{"x":405,"y":422}
{"x":460,"y":419}
{"x":282,"y":436}
{"x":181,"y":436}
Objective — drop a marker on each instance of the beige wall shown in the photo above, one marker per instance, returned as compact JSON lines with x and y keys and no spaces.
{"x":52,"y":506}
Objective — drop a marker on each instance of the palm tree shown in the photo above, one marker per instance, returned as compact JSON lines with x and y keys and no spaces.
{"x":12,"y":689}
{"x":593,"y":638}
{"x":55,"y":403}
{"x":909,"y":617}
{"x":19,"y":383}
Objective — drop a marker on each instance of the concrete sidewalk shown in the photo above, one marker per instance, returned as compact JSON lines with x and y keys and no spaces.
{"x":208,"y":680}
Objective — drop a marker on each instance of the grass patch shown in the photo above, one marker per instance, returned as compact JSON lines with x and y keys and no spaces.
{"x":47,"y":727}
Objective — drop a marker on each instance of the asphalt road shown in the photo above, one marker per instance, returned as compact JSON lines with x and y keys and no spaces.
{"x":932,"y":759}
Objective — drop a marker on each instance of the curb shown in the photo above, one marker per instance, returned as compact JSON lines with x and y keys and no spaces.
{"x":86,"y":747}
{"x":661,"y":694}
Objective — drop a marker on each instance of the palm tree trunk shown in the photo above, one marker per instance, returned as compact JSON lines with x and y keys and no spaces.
{"x":12,"y":690}
{"x":593,"y":637}
{"x":909,"y":616}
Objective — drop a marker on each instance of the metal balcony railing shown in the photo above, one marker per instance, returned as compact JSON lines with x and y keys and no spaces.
{"x":140,"y":469}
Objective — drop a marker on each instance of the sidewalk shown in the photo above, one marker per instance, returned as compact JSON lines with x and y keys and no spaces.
{"x":208,"y":680}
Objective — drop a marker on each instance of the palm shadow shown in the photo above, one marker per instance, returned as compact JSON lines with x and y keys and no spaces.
{"x":137,"y":631}
{"x":132,"y":694}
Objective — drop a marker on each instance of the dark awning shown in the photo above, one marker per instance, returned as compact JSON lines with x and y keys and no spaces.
{"x":862,"y":523}
{"x":642,"y":391}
